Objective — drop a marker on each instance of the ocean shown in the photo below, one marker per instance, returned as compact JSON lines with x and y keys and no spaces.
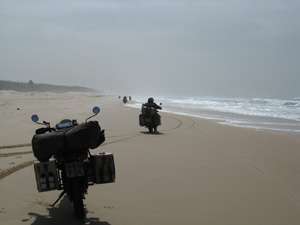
{"x":275,"y":114}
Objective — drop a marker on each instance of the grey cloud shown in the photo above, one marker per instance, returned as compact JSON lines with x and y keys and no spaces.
{"x":168,"y":47}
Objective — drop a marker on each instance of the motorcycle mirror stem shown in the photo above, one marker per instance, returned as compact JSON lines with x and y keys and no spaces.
{"x":96,"y":110}
{"x":35,"y":119}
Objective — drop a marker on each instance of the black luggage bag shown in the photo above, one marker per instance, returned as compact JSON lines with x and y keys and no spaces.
{"x":87,"y":135}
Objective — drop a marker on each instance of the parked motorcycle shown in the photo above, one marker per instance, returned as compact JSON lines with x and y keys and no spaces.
{"x":65,"y":162}
{"x":149,"y":118}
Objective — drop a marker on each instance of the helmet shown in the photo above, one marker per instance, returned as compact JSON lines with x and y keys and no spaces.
{"x":150,"y":100}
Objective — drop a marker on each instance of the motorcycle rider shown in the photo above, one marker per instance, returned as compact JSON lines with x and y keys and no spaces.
{"x":151,"y":103}
{"x":149,"y":117}
{"x":124,"y":99}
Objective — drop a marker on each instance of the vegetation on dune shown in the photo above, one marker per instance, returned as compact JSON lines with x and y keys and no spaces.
{"x":34,"y":87}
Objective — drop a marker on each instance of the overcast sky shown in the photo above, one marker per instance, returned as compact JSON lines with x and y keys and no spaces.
{"x":159,"y":47}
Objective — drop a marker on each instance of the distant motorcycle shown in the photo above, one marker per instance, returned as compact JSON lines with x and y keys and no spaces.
{"x":125,"y":100}
{"x":65,"y":162}
{"x":149,"y":118}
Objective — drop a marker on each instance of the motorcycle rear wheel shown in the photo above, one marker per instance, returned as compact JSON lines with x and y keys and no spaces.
{"x":78,"y":202}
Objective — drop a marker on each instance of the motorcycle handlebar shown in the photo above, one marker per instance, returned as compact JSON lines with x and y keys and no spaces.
{"x":44,"y":130}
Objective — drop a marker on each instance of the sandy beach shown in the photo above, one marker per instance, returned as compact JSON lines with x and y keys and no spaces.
{"x":194,"y":171}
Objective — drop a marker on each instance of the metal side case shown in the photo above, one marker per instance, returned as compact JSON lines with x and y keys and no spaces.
{"x":104,"y":167}
{"x":46,"y":176}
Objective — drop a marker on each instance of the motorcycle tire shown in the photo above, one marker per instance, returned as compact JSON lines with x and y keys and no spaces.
{"x":150,"y":129}
{"x":78,"y":201}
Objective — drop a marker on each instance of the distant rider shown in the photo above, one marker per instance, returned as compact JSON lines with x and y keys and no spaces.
{"x":124,"y":99}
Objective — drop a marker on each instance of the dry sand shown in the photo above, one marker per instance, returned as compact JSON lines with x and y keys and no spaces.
{"x":193,"y":172}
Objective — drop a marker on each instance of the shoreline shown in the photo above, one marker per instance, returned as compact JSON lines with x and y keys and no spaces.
{"x":194,"y":171}
{"x":272,"y":124}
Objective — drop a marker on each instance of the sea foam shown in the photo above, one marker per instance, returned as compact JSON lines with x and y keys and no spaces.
{"x":276,"y":114}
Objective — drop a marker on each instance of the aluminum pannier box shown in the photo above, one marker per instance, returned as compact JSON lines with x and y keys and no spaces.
{"x":142,"y":121}
{"x":104,"y":167}
{"x":46,"y":175}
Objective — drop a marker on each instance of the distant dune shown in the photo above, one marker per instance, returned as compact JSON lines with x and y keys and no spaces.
{"x":33,"y":87}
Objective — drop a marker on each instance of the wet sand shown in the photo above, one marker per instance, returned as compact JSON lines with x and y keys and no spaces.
{"x":193,"y":171}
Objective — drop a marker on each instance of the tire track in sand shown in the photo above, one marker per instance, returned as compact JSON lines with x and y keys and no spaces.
{"x":9,"y":171}
{"x":246,"y":160}
{"x":134,"y":135}
{"x":15,"y":146}
{"x":3,"y":155}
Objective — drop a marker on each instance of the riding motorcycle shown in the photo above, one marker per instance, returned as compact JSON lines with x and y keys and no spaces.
{"x":149,"y":118}
{"x":65,"y":162}
{"x":125,"y":100}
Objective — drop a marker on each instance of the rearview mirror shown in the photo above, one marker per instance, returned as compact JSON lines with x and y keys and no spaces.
{"x":34,"y":118}
{"x":96,"y":110}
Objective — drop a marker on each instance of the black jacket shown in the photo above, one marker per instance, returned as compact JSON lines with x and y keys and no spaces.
{"x":153,"y":105}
